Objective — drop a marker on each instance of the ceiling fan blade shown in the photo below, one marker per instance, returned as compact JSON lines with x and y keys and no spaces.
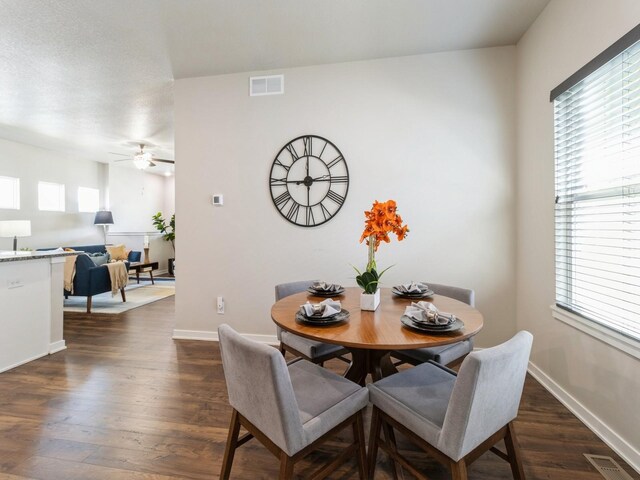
{"x":123,"y":160}
{"x":151,"y":164}
{"x":116,"y":153}
{"x":162,"y":160}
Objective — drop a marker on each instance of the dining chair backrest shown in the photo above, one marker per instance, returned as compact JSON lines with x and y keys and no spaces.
{"x":486,"y":395}
{"x":285,"y":289}
{"x":462,"y":294}
{"x":260,"y":388}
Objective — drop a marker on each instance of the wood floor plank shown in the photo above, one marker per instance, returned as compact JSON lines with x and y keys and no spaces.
{"x":125,"y":401}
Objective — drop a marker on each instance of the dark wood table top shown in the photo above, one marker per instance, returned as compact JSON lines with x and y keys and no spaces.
{"x":379,"y":330}
{"x":137,"y":265}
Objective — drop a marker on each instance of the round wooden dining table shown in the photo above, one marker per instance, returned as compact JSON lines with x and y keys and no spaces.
{"x":370,"y":337}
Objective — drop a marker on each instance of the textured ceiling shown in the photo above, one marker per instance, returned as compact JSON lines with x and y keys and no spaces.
{"x":93,"y":76}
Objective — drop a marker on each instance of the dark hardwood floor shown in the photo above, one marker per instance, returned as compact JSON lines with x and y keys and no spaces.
{"x":124,"y":401}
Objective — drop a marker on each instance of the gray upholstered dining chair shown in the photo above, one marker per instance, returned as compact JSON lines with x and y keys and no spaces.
{"x":289,"y":409}
{"x":316,"y":352}
{"x":454,"y":418}
{"x":449,"y":355}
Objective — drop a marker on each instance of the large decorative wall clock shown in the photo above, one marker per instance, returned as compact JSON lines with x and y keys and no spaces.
{"x":309,"y":181}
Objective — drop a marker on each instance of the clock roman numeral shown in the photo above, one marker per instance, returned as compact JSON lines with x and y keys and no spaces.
{"x":292,"y":151}
{"x":340,"y":179}
{"x":278,"y":182}
{"x":325,"y":212}
{"x":339,"y":199}
{"x":322,"y":151}
{"x":310,"y":218}
{"x":308,"y":147}
{"x":292,"y":214}
{"x":335,"y":161}
{"x":278,"y":162}
{"x":282,"y":199}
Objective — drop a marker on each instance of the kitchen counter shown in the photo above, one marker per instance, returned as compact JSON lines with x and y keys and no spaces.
{"x":31,"y":320}
{"x":11,"y":256}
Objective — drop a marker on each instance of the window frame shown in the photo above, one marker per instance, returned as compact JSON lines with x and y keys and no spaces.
{"x":62,"y":191}
{"x":593,"y":327}
{"x":16,"y":193}
{"x":97,"y":200}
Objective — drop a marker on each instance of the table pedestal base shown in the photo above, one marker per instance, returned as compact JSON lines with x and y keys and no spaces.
{"x":376,"y":363}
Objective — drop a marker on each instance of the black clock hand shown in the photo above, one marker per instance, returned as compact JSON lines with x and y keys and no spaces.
{"x":308,"y":195}
{"x":323,"y":178}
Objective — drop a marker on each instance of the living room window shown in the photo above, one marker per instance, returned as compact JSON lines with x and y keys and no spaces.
{"x":88,"y":200}
{"x":10,"y":193}
{"x":50,"y":197}
{"x":597,"y":181}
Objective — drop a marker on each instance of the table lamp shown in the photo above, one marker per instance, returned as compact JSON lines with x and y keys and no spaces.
{"x":15,"y":229}
{"x":104,"y":218}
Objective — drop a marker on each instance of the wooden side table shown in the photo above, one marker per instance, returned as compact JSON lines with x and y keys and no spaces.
{"x":144,"y":267}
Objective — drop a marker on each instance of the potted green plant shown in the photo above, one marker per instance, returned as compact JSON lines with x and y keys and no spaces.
{"x":380,"y":221}
{"x":168,"y":234}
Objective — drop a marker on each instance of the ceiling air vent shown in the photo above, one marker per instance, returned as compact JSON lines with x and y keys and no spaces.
{"x":269,"y":85}
{"x":608,"y":467}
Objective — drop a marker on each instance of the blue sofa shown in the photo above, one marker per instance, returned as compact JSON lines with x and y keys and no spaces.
{"x":91,"y":279}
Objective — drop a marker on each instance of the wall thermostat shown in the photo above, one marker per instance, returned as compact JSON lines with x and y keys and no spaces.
{"x":217,"y":200}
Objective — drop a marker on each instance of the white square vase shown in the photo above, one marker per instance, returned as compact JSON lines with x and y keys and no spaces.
{"x":370,"y":301}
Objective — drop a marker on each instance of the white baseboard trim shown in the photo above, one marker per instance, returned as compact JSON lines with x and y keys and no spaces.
{"x":22,"y":362}
{"x":56,"y":347}
{"x":207,"y":335}
{"x":630,"y":454}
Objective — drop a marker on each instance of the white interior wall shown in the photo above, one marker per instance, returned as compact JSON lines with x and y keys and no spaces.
{"x":434,"y":132}
{"x":135,"y":196}
{"x":50,"y":229}
{"x":597,"y":381}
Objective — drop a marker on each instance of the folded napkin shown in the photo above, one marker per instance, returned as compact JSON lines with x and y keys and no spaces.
{"x":326,"y":287}
{"x":427,"y":312}
{"x":413,"y":287}
{"x":323,"y":309}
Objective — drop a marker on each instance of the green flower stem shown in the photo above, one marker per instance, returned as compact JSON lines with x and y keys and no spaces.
{"x":371,"y":264}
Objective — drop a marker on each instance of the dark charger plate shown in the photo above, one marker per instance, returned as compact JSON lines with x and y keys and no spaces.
{"x":341,"y":316}
{"x":417,"y":296}
{"x":325,"y":293}
{"x":456,"y":325}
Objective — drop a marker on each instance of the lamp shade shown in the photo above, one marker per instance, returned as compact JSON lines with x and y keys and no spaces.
{"x":15,"y":228}
{"x":103,"y":217}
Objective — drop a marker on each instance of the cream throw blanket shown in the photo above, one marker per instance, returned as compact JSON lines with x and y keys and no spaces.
{"x":119,"y":276}
{"x":69,"y":272}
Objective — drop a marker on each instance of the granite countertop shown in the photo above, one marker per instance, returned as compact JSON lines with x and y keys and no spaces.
{"x":11,"y":256}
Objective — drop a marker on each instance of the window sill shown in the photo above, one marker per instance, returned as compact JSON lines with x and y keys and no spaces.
{"x":604,"y":334}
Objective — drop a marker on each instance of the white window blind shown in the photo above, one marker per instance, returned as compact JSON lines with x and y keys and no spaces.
{"x":597,"y":215}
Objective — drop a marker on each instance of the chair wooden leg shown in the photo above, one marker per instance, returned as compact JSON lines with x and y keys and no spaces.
{"x":124,"y":296}
{"x":89,"y":302}
{"x":458,"y":470}
{"x":390,"y":438}
{"x":232,"y":443}
{"x":513,"y":451}
{"x":282,"y":350}
{"x":286,"y":467}
{"x":358,"y":437}
{"x":374,"y":437}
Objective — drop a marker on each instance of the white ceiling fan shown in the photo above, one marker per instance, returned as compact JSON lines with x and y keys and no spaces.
{"x":142,"y":159}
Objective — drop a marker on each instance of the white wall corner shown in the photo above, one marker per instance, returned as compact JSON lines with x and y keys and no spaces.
{"x":628,"y":452}
{"x":56,"y":347}
{"x":207,"y":335}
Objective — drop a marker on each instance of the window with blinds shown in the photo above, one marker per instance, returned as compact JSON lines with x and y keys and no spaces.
{"x":597,"y":181}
